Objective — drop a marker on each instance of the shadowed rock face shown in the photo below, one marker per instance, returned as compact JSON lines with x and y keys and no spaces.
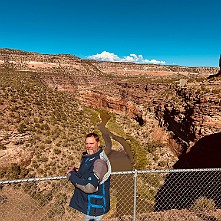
{"x":182,"y":189}
{"x":215,"y":75}
{"x":206,"y":153}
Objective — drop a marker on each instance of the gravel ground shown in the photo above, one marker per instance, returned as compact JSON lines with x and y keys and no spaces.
{"x":174,"y":215}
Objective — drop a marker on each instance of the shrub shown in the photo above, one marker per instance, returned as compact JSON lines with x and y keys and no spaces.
{"x":14,"y":171}
{"x":57,"y":151}
{"x":203,"y":204}
{"x":43,"y":159}
{"x":22,"y":128}
{"x":48,"y":141}
{"x":153,"y":146}
{"x":2,"y":147}
{"x":24,"y":172}
{"x":3,"y":172}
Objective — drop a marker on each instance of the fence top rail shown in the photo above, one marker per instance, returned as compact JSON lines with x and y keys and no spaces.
{"x":166,"y":171}
{"x":179,"y":170}
{"x":32,"y":179}
{"x":113,"y":173}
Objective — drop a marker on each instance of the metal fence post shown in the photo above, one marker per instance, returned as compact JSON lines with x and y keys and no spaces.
{"x":135,"y":194}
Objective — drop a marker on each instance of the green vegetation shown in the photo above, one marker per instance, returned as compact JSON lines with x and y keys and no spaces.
{"x":139,"y":153}
{"x":114,"y":127}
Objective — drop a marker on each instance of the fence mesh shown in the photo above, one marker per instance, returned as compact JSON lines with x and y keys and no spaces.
{"x":135,"y":195}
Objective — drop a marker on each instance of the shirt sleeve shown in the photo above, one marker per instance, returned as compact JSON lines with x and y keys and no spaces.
{"x":100,"y":169}
{"x":87,"y":185}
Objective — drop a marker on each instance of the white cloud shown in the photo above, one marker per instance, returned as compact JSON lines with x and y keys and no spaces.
{"x":104,"y":56}
{"x":107,"y":56}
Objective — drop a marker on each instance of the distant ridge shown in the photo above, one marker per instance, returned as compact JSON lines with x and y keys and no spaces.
{"x":23,"y":60}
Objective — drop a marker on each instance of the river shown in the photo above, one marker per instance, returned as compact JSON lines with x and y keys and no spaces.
{"x":120,"y":160}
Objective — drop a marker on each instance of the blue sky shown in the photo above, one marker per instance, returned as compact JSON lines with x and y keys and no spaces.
{"x":170,"y":32}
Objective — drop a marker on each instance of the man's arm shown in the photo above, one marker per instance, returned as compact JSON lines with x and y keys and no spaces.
{"x":90,"y":184}
{"x":100,"y":169}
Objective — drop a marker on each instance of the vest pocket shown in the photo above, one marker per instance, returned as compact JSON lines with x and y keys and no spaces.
{"x":96,"y":202}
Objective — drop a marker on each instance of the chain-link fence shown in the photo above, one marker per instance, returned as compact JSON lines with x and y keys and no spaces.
{"x":135,"y":195}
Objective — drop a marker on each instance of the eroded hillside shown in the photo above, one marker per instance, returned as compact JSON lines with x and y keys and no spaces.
{"x":40,"y":129}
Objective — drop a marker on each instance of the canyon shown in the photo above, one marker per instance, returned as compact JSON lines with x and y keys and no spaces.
{"x":173,"y":105}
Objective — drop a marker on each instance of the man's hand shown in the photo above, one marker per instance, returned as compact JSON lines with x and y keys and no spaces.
{"x":68,"y":174}
{"x":70,"y":169}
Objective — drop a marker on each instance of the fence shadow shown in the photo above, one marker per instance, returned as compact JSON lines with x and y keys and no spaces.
{"x":181,"y":189}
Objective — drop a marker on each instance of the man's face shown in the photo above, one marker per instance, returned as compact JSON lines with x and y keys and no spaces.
{"x":92,"y":145}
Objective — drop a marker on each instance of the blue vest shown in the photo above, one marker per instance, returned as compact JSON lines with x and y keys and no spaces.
{"x":97,"y":203}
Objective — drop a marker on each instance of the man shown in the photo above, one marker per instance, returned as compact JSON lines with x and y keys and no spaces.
{"x":91,"y":181}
